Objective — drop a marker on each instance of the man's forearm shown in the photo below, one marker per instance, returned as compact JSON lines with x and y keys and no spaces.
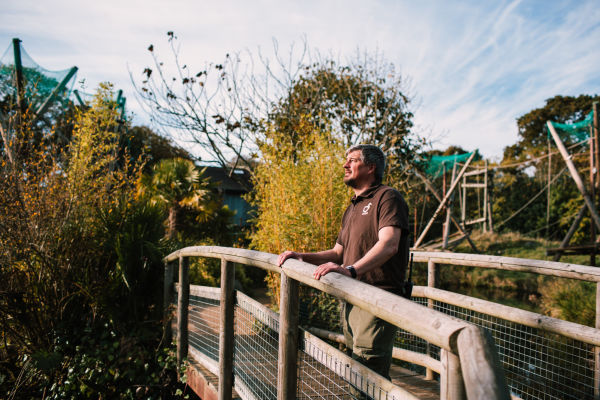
{"x":322,"y":257}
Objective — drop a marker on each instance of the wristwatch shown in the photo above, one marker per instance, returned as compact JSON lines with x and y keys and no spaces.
{"x":352,"y":271}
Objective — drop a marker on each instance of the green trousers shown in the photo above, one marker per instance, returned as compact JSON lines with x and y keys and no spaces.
{"x":370,"y":338}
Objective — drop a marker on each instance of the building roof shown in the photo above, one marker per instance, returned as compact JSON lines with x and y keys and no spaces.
{"x":240,"y":183}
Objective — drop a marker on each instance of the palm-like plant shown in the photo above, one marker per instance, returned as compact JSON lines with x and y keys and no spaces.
{"x":176,"y":183}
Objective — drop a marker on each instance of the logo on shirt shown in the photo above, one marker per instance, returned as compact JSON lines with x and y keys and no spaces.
{"x":366,"y":209}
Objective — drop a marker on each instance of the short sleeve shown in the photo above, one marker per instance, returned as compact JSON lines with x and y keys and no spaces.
{"x":393,"y":210}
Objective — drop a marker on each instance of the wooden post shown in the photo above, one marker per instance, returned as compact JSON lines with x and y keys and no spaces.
{"x":183,"y":301}
{"x":482,"y":372}
{"x":448,"y":214}
{"x":548,"y":191}
{"x":463,"y":210}
{"x":226,"y":337}
{"x":452,"y":386}
{"x":431,"y":282}
{"x":444,"y":201}
{"x":597,"y":145}
{"x":593,"y":195}
{"x":287,"y":362}
{"x":485,"y":198}
{"x":571,"y":231}
{"x":167,"y":299}
{"x":573,"y":170}
{"x":597,"y":349}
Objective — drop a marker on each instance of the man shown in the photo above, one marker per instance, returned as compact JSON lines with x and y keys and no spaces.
{"x":372,"y":247}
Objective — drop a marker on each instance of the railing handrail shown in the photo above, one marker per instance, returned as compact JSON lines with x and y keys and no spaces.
{"x":468,"y":349}
{"x":541,"y":267}
{"x":531,"y":319}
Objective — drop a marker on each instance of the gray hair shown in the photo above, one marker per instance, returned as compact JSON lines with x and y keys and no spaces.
{"x":371,"y":155}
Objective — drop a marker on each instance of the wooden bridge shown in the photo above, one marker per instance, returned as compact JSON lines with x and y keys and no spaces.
{"x":450,"y":346}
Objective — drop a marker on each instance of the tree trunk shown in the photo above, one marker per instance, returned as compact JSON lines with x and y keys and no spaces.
{"x":172,"y":227}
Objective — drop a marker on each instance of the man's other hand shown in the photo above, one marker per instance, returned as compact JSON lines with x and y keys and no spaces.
{"x":287,"y":254}
{"x":326,"y":268}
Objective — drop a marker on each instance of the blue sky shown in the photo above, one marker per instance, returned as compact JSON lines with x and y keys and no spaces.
{"x":472,"y":67}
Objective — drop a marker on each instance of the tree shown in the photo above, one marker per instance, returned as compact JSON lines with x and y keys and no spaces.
{"x":300,"y":198}
{"x":226,"y":108}
{"x":532,"y":125}
{"x":175,"y":183}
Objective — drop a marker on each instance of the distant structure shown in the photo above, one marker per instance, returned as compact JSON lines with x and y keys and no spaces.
{"x":233,"y":190}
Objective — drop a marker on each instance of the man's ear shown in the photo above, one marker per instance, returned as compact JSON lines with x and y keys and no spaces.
{"x":372,"y":169}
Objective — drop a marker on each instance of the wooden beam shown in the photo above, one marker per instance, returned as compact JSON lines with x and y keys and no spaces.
{"x":444,"y":200}
{"x":454,"y":221}
{"x":574,"y":174}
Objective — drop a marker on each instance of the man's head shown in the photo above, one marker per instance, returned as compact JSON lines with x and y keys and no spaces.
{"x":364,"y":163}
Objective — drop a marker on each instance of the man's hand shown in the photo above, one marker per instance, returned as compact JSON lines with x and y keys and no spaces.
{"x":287,"y":254}
{"x":326,"y":268}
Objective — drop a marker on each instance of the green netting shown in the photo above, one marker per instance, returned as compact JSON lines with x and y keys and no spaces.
{"x":38,"y":82}
{"x":577,"y":131}
{"x":435,"y":166}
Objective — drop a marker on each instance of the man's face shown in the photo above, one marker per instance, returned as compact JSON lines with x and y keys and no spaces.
{"x":356,"y":172}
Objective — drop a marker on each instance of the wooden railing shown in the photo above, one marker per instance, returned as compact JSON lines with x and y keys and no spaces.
{"x":565,"y":329}
{"x":469,"y":362}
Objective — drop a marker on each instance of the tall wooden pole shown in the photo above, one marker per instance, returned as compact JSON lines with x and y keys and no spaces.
{"x":548,"y":191}
{"x":448,"y":214}
{"x":576,"y":177}
{"x":445,"y":200}
{"x":592,"y":194}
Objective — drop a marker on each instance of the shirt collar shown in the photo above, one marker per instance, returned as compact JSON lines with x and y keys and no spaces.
{"x":366,"y":194}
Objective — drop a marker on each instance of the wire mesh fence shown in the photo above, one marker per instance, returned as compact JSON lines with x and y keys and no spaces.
{"x":320,"y":375}
{"x":537,"y":364}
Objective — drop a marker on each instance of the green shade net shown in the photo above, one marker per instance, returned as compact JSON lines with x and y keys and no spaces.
{"x":435,"y":166}
{"x":575,"y":132}
{"x":38,"y":82}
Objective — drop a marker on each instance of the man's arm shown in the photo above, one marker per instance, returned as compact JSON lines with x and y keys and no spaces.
{"x":321,"y":257}
{"x":388,"y":240}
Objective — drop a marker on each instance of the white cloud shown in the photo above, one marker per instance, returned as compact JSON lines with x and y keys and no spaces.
{"x":474,"y":67}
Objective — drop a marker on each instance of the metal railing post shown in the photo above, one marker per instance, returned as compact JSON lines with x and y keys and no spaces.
{"x":431,"y":282}
{"x":452,"y":386}
{"x":183,"y":301}
{"x":167,"y":299}
{"x":288,"y":339}
{"x":226,"y":337}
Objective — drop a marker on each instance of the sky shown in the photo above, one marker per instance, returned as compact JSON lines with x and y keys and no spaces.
{"x":471,"y":67}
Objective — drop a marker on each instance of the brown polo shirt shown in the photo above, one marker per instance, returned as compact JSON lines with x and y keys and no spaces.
{"x":378,"y":207}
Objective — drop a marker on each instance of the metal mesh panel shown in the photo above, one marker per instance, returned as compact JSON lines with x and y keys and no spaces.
{"x":408,"y":341}
{"x":256,"y":346}
{"x":204,"y":326}
{"x":537,"y":364}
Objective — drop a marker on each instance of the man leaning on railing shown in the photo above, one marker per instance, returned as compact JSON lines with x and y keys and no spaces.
{"x":372,"y":246}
